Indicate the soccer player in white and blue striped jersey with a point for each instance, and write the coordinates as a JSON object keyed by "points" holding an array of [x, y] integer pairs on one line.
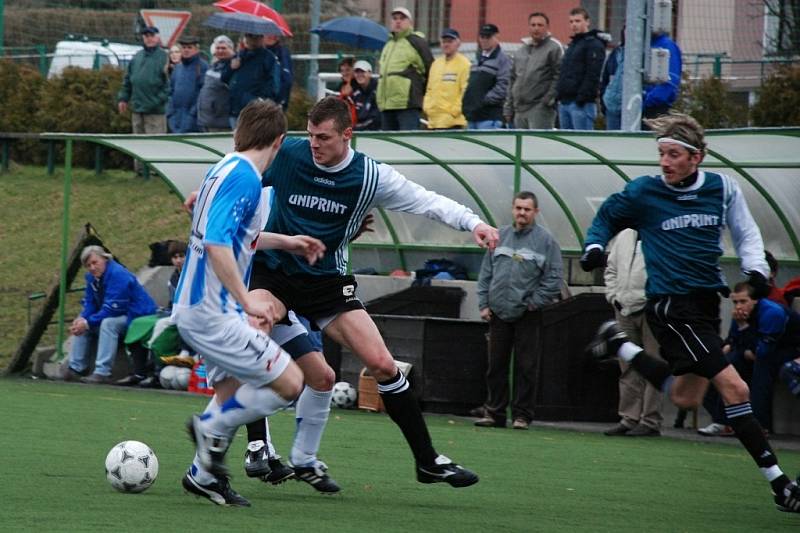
{"points": [[213, 310], [680, 217]]}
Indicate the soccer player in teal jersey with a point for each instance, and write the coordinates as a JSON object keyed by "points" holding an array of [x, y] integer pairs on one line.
{"points": [[680, 217], [324, 188]]}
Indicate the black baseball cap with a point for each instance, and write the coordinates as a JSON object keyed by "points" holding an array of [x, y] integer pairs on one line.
{"points": [[189, 39], [450, 33], [488, 30], [149, 29]]}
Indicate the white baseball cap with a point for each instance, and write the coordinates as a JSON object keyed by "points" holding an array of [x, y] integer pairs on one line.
{"points": [[406, 13], [363, 65]]}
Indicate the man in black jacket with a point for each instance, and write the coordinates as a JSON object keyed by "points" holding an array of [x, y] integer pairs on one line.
{"points": [[489, 79], [580, 74]]}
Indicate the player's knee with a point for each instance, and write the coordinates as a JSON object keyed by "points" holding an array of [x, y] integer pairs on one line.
{"points": [[382, 368], [322, 381], [737, 393]]}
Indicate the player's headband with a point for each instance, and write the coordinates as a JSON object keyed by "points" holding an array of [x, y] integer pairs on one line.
{"points": [[677, 141]]}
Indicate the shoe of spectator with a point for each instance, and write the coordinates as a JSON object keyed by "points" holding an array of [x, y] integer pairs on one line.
{"points": [[68, 374], [643, 430], [151, 382], [716, 430], [489, 422], [130, 381], [617, 431], [97, 379], [478, 412], [520, 423]]}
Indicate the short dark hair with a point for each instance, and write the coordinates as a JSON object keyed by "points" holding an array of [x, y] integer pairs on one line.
{"points": [[329, 108], [260, 123], [539, 14], [744, 286], [176, 247], [771, 261], [349, 60], [527, 195], [580, 11]]}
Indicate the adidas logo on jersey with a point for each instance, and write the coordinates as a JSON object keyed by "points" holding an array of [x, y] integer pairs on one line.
{"points": [[325, 181], [315, 202]]}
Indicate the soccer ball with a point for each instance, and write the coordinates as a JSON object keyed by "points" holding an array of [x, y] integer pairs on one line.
{"points": [[344, 395], [131, 466], [167, 376], [181, 379]]}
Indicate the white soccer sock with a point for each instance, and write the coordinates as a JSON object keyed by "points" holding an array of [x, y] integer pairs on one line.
{"points": [[248, 404], [313, 408], [201, 475], [628, 351]]}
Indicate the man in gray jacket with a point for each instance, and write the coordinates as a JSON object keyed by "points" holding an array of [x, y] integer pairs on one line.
{"points": [[519, 277], [531, 102]]}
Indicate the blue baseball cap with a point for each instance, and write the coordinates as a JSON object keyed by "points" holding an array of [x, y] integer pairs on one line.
{"points": [[450, 33], [149, 29]]}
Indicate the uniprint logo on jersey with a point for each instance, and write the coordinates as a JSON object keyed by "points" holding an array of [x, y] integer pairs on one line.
{"points": [[690, 221], [315, 202]]}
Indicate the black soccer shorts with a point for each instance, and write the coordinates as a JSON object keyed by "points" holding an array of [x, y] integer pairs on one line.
{"points": [[686, 327], [314, 297]]}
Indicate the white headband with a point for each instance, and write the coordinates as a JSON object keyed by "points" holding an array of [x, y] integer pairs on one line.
{"points": [[677, 141]]}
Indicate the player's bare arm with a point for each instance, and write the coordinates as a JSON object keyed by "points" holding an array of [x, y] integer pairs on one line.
{"points": [[309, 247]]}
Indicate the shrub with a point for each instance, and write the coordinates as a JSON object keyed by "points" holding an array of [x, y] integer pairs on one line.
{"points": [[83, 101], [779, 99], [299, 105], [708, 101]]}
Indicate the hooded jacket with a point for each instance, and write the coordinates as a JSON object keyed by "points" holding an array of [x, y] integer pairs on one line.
{"points": [[581, 68], [534, 75], [213, 103], [625, 273], [146, 85], [446, 85], [405, 62], [487, 88], [117, 293], [663, 95]]}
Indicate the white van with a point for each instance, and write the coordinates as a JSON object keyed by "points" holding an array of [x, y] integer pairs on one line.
{"points": [[88, 54]]}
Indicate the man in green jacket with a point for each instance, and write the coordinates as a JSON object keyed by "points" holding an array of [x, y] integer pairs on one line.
{"points": [[145, 89], [405, 61]]}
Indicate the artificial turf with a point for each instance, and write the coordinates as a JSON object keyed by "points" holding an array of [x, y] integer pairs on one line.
{"points": [[55, 437]]}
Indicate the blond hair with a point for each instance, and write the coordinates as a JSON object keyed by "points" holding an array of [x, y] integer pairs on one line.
{"points": [[680, 127]]}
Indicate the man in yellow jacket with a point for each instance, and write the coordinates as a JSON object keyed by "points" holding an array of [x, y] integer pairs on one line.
{"points": [[405, 62], [447, 82]]}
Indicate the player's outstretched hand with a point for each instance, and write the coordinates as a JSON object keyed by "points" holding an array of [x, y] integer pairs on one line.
{"points": [[309, 247], [593, 258], [486, 236], [188, 204]]}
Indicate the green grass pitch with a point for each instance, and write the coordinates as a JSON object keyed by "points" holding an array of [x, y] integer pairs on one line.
{"points": [[55, 436]]}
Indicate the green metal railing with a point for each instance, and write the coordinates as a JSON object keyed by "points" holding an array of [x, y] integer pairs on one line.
{"points": [[514, 158]]}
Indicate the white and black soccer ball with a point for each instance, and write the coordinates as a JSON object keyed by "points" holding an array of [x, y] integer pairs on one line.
{"points": [[344, 395], [131, 466], [180, 381], [167, 376]]}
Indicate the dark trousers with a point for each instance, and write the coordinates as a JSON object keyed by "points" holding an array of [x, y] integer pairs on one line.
{"points": [[400, 119], [521, 337]]}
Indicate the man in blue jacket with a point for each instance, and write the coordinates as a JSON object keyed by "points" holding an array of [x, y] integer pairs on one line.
{"points": [[185, 83], [284, 56], [657, 99], [253, 73], [113, 297]]}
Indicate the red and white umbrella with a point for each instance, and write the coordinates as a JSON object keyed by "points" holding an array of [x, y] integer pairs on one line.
{"points": [[252, 7]]}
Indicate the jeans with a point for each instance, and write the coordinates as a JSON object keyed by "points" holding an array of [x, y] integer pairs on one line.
{"points": [[484, 124], [108, 337], [400, 119], [613, 121], [575, 116]]}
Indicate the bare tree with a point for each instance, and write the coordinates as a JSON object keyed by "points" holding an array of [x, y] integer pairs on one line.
{"points": [[784, 39]]}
